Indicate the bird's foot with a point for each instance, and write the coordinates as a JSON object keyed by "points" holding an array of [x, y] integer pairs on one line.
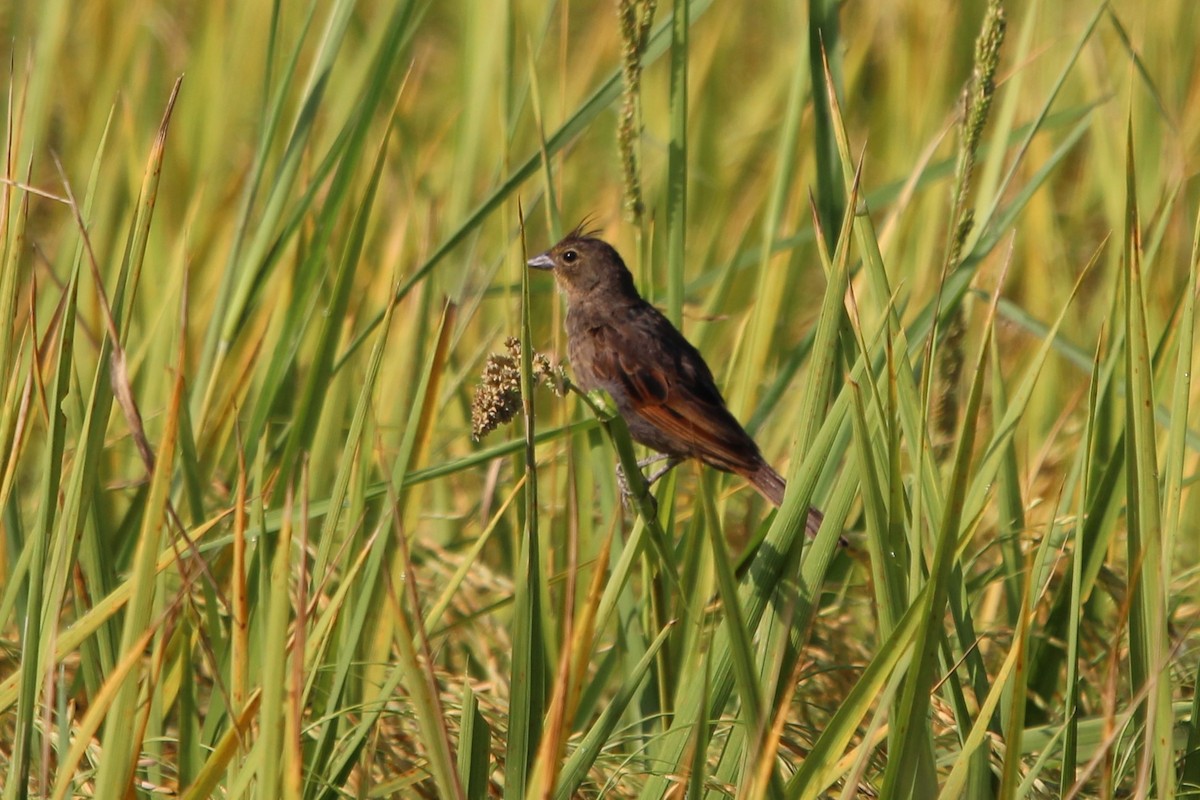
{"points": [[628, 497], [627, 493]]}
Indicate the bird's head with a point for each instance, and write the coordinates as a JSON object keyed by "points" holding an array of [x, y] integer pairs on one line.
{"points": [[584, 265]]}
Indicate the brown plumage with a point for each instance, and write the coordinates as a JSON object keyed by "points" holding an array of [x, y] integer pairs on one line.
{"points": [[660, 383]]}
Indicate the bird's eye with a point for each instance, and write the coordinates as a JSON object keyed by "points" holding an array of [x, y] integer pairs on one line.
{"points": [[570, 255]]}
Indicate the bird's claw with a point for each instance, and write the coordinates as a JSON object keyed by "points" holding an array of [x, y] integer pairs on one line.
{"points": [[628, 498]]}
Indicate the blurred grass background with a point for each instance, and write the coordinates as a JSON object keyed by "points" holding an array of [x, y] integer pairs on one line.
{"points": [[256, 255]]}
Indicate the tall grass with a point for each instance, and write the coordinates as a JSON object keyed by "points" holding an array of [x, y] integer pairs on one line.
{"points": [[256, 256]]}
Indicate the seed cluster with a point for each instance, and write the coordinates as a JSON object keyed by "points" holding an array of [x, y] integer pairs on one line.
{"points": [[498, 394]]}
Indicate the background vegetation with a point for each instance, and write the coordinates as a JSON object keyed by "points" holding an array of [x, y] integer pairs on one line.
{"points": [[255, 257]]}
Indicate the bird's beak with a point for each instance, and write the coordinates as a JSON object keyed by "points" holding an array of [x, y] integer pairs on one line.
{"points": [[544, 261]]}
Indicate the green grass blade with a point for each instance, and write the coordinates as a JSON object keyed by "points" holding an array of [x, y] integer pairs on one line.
{"points": [[474, 754], [1149, 642], [1189, 774], [825, 69]]}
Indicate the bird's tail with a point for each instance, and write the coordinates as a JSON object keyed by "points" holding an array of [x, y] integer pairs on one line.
{"points": [[771, 485]]}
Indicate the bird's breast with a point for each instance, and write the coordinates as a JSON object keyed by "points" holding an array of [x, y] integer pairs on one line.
{"points": [[583, 341]]}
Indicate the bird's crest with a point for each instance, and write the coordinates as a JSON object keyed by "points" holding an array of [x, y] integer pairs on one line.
{"points": [[586, 229]]}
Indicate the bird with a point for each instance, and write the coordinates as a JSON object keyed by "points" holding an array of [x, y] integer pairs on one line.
{"points": [[661, 385]]}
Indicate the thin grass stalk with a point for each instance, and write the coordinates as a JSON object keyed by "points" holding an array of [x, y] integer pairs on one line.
{"points": [[1007, 678], [572, 676], [698, 772], [1071, 687], [993, 223], [237, 282], [528, 676], [634, 17], [239, 645], [928, 498], [1004, 125], [1010, 501], [275, 656], [97, 714], [977, 102], [77, 542], [416, 658], [300, 313], [741, 646], [885, 542], [902, 776], [594, 740], [121, 744], [820, 769], [35, 637], [312, 395], [293, 703], [53, 26], [677, 164], [771, 283], [14, 206]]}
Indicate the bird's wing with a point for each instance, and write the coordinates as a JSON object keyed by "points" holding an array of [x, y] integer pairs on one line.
{"points": [[668, 385]]}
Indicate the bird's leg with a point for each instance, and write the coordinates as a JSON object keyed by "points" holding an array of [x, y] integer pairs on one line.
{"points": [[672, 462], [642, 464], [623, 480]]}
